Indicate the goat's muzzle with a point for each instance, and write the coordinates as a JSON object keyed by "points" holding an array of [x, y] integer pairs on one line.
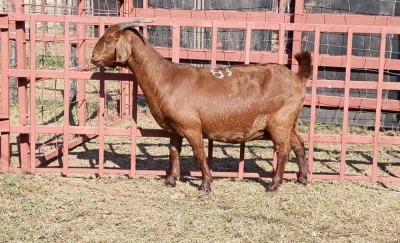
{"points": [[97, 62]]}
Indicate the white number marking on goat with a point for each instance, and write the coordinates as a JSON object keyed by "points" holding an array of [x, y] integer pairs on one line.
{"points": [[217, 74]]}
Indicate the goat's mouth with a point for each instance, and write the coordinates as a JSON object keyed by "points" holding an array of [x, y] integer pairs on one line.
{"points": [[98, 63], [101, 63]]}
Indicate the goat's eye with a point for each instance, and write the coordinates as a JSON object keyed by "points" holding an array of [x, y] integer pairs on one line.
{"points": [[109, 39]]}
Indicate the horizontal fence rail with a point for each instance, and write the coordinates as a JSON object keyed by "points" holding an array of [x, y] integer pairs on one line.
{"points": [[40, 140]]}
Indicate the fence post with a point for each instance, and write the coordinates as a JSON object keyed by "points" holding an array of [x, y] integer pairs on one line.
{"points": [[5, 103], [313, 102], [346, 104], [22, 88], [81, 88], [297, 35], [379, 91]]}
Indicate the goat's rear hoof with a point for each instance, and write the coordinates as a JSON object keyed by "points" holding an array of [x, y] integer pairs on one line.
{"points": [[301, 179], [272, 187], [170, 182]]}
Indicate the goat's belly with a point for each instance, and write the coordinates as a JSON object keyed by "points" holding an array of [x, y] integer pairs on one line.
{"points": [[235, 137], [238, 131]]}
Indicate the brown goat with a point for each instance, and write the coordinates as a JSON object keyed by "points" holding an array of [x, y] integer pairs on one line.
{"points": [[233, 105]]}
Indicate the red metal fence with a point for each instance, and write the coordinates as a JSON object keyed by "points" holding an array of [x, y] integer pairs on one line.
{"points": [[35, 139]]}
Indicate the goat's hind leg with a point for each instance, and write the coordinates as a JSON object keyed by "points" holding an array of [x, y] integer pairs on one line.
{"points": [[297, 145], [280, 137], [175, 147]]}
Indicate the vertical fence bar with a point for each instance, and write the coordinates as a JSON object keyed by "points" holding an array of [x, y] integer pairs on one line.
{"points": [[241, 160], [67, 55], [282, 6], [281, 52], [214, 43], [145, 30], [32, 83], [313, 101], [5, 100], [81, 7], [22, 88], [135, 89], [242, 148], [126, 8], [176, 36], [122, 87], [71, 8], [379, 91], [81, 102], [123, 7], [101, 123], [297, 35], [125, 90], [101, 111], [346, 104], [282, 46], [145, 4], [248, 43]]}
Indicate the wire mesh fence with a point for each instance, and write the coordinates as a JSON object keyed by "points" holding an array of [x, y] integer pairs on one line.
{"points": [[377, 7], [364, 45], [240, 5]]}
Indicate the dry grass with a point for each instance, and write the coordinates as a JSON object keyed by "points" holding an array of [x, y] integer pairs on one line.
{"points": [[50, 208]]}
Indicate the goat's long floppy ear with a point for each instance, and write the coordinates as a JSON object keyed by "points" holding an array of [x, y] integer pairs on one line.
{"points": [[123, 49]]}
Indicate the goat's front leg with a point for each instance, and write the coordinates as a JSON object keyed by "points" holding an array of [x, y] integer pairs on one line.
{"points": [[175, 147], [197, 144]]}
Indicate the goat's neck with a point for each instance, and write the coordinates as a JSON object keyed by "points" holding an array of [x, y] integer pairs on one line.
{"points": [[152, 71], [148, 66]]}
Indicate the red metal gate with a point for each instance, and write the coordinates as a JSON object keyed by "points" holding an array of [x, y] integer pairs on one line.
{"points": [[26, 29]]}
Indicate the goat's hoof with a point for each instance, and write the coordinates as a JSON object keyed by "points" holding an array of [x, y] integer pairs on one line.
{"points": [[301, 179], [302, 182], [272, 187], [205, 188], [170, 182]]}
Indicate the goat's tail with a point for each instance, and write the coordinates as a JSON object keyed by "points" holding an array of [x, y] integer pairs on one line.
{"points": [[305, 68]]}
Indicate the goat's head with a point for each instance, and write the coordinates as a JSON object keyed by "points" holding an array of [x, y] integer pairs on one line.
{"points": [[114, 47]]}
